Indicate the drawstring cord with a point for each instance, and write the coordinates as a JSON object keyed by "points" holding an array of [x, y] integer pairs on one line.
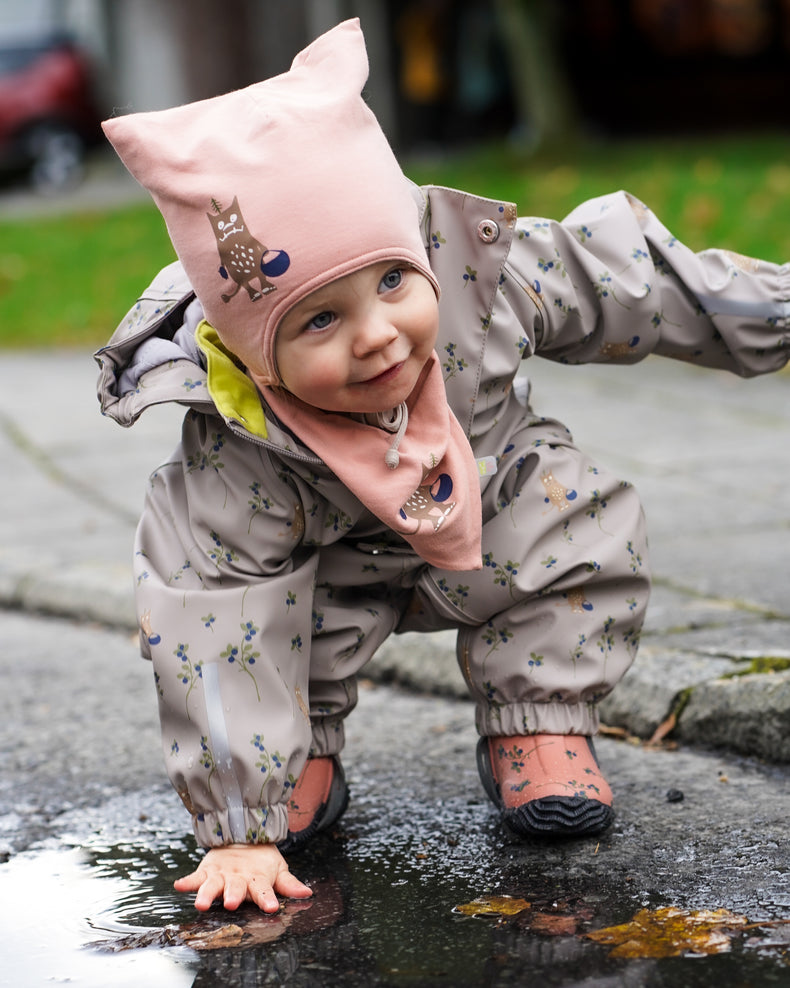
{"points": [[396, 421], [398, 424]]}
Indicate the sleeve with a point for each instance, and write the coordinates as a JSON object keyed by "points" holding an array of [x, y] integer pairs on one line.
{"points": [[225, 599], [611, 284]]}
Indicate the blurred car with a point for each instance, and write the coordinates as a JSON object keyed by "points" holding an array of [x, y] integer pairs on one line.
{"points": [[48, 113]]}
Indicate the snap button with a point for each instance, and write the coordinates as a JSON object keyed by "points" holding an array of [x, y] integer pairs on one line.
{"points": [[488, 231]]}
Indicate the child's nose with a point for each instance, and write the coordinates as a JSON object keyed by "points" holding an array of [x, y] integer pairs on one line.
{"points": [[374, 333]]}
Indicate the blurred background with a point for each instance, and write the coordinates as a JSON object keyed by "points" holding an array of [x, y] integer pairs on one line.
{"points": [[544, 102], [443, 72]]}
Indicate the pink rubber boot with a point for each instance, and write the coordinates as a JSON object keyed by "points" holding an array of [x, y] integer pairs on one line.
{"points": [[546, 785], [319, 799]]}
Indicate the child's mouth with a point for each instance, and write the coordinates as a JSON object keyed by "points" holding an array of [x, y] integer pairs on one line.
{"points": [[386, 375]]}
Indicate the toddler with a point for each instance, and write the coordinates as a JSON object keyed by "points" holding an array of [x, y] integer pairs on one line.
{"points": [[356, 460]]}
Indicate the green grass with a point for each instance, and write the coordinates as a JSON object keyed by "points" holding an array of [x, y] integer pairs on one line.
{"points": [[67, 281], [731, 193]]}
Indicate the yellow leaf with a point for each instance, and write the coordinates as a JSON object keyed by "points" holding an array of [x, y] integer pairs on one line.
{"points": [[493, 905], [671, 932]]}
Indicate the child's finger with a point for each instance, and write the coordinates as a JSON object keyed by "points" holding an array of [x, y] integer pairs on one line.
{"points": [[235, 891], [262, 894], [190, 883], [289, 885], [210, 890]]}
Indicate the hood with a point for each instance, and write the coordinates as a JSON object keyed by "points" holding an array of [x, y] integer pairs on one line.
{"points": [[160, 353], [164, 351]]}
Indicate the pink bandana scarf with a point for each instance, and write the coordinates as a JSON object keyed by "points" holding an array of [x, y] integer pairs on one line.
{"points": [[432, 497]]}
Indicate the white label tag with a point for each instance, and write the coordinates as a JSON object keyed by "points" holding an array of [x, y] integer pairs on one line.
{"points": [[487, 466]]}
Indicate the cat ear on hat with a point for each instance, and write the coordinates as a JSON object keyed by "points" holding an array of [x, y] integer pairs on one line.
{"points": [[338, 54]]}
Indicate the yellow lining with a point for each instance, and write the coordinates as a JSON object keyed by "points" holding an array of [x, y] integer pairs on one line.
{"points": [[234, 394]]}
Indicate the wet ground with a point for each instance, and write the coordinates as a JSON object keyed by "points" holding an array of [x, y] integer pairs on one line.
{"points": [[92, 839]]}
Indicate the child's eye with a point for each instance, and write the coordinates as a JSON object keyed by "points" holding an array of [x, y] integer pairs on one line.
{"points": [[321, 321], [391, 280]]}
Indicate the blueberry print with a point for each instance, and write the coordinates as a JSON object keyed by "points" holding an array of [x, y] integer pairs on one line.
{"points": [[606, 642], [598, 504], [457, 596], [453, 365], [494, 637], [219, 553], [578, 652], [178, 574], [635, 557], [207, 760], [188, 674], [243, 655], [208, 458], [258, 503], [504, 575], [269, 762]]}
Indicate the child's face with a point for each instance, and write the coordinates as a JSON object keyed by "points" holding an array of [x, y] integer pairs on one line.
{"points": [[359, 343]]}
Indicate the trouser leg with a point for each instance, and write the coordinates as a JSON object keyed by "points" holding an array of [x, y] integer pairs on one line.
{"points": [[357, 604], [552, 621]]}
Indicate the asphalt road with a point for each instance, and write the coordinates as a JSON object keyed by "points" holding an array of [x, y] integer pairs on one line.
{"points": [[82, 769]]}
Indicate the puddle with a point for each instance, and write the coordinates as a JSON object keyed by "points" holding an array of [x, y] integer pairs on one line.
{"points": [[96, 907], [384, 913], [50, 903]]}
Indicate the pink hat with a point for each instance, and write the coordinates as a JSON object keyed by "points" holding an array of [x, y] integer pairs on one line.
{"points": [[271, 191]]}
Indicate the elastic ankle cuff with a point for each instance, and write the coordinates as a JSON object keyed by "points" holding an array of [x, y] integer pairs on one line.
{"points": [[537, 718], [329, 737]]}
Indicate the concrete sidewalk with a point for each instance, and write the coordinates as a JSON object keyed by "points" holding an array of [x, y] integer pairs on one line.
{"points": [[708, 452]]}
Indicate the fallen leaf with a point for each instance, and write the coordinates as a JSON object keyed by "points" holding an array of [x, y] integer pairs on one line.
{"points": [[663, 729], [165, 937], [670, 932], [612, 732], [225, 936], [196, 937], [493, 905]]}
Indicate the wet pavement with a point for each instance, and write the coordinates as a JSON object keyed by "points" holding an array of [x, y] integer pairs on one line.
{"points": [[94, 838], [91, 835]]}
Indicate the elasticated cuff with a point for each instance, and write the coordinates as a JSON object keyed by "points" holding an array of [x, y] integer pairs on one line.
{"points": [[537, 718], [329, 737], [256, 825]]}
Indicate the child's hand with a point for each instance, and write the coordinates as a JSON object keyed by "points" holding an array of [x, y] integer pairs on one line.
{"points": [[240, 872]]}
